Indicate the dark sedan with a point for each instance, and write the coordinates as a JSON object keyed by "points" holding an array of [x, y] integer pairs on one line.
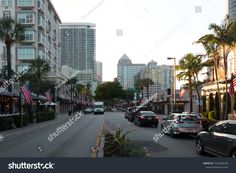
{"points": [[146, 118], [219, 140]]}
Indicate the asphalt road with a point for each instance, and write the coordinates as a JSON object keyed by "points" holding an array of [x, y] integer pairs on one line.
{"points": [[32, 141], [182, 146], [78, 139]]}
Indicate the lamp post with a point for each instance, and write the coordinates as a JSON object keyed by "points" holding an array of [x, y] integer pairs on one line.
{"points": [[174, 77]]}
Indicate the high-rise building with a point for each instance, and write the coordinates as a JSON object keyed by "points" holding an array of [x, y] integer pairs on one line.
{"points": [[127, 71], [78, 47], [99, 71], [42, 36], [161, 76], [231, 8]]}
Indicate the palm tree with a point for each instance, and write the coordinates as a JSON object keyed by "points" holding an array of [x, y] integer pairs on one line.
{"points": [[10, 33], [139, 85], [225, 37], [72, 82], [147, 82], [38, 69], [212, 51], [196, 68], [186, 66]]}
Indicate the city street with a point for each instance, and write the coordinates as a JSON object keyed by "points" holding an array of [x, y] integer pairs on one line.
{"points": [[77, 140]]}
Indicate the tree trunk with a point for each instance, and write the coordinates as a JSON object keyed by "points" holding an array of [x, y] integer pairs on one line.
{"points": [[190, 94], [218, 90], [8, 47], [198, 95], [226, 85]]}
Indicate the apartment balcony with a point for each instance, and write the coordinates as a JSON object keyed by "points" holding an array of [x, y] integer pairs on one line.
{"points": [[41, 6]]}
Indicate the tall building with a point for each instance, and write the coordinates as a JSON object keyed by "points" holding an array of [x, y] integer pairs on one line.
{"points": [[127, 71], [231, 8], [99, 71], [78, 47], [161, 75], [42, 36]]}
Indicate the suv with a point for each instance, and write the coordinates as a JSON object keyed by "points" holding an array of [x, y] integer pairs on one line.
{"points": [[181, 123], [219, 140]]}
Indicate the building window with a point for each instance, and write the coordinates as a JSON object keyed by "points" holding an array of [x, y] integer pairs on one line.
{"points": [[25, 18], [29, 35], [21, 67], [25, 53], [6, 14], [25, 3], [6, 3]]}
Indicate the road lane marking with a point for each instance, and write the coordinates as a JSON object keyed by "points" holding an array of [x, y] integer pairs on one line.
{"points": [[98, 139]]}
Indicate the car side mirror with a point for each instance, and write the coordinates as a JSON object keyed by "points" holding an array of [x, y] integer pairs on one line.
{"points": [[210, 130]]}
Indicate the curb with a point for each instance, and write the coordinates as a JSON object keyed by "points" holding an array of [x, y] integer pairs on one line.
{"points": [[100, 153]]}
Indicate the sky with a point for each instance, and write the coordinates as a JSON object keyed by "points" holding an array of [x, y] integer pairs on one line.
{"points": [[148, 29]]}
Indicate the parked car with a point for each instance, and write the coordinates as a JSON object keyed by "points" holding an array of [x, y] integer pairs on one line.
{"points": [[219, 140], [88, 110], [146, 118], [181, 123], [128, 110], [135, 111]]}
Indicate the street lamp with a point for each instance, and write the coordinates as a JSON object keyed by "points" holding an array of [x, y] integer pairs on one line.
{"points": [[174, 73]]}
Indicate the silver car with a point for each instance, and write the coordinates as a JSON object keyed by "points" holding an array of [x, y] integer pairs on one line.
{"points": [[181, 123]]}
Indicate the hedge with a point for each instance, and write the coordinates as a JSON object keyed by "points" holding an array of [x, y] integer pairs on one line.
{"points": [[45, 116], [7, 123]]}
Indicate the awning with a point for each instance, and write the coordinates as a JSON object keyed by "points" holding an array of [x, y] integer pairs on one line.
{"points": [[49, 104]]}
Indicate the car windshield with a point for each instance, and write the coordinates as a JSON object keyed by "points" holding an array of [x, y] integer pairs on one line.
{"points": [[98, 106], [187, 117], [147, 113]]}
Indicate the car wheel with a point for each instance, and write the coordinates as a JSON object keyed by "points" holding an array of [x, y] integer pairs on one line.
{"points": [[162, 127], [233, 154], [199, 147], [172, 134], [139, 123], [156, 125]]}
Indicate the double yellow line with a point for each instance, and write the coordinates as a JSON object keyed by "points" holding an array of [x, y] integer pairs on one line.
{"points": [[98, 139]]}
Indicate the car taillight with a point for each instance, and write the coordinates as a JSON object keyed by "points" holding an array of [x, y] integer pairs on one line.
{"points": [[141, 117]]}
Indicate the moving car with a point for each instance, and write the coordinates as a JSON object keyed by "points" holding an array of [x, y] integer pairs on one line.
{"points": [[146, 118], [98, 108], [181, 123], [88, 110], [219, 140]]}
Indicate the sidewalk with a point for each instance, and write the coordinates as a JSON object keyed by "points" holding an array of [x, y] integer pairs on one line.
{"points": [[35, 126]]}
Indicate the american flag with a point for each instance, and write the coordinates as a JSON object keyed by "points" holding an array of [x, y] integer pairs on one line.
{"points": [[181, 93], [48, 96], [26, 93]]}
